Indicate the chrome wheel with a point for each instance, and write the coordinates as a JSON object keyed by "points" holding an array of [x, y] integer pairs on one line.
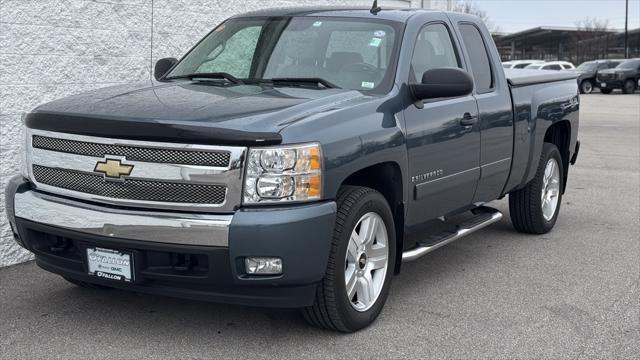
{"points": [[550, 189], [366, 261], [587, 87]]}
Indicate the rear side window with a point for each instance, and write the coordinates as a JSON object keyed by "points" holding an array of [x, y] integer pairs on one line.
{"points": [[552, 67], [478, 55]]}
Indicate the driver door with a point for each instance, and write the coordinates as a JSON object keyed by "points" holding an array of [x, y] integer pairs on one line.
{"points": [[444, 155]]}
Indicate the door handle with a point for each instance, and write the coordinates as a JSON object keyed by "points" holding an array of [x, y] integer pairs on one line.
{"points": [[468, 119]]}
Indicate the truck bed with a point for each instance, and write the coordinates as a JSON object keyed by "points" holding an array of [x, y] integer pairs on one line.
{"points": [[523, 77]]}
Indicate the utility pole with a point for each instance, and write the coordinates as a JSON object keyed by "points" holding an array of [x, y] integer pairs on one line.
{"points": [[626, 30]]}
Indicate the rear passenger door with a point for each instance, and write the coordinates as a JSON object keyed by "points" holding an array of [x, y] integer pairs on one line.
{"points": [[443, 153], [494, 107]]}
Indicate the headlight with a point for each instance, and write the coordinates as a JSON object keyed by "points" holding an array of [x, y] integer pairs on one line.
{"points": [[283, 173]]}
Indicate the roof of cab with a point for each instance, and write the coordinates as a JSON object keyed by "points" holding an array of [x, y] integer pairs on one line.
{"points": [[393, 14]]}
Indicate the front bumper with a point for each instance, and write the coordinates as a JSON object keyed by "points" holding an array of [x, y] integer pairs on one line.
{"points": [[198, 256]]}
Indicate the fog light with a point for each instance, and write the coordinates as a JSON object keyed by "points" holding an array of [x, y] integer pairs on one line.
{"points": [[263, 265]]}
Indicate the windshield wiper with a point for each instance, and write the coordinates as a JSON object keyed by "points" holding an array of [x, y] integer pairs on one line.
{"points": [[297, 81], [213, 75]]}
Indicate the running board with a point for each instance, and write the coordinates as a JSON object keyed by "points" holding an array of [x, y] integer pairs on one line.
{"points": [[484, 216]]}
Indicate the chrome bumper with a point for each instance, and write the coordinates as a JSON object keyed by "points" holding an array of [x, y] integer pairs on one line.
{"points": [[143, 225]]}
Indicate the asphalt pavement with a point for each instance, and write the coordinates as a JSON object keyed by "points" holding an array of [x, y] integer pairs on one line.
{"points": [[572, 293]]}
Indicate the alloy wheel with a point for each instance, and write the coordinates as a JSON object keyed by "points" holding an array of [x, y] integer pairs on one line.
{"points": [[550, 189], [366, 261]]}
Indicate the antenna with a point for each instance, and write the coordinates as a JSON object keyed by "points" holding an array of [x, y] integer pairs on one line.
{"points": [[375, 8]]}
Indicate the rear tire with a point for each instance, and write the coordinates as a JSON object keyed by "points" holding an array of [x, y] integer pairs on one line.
{"points": [[586, 87], [629, 87], [85, 284], [358, 276], [606, 91], [534, 209]]}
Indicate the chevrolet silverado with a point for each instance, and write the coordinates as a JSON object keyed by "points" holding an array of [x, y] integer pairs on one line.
{"points": [[295, 158]]}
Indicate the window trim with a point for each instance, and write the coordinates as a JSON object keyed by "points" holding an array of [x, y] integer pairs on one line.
{"points": [[489, 58], [456, 49]]}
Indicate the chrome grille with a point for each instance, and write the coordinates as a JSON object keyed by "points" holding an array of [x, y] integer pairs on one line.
{"points": [[133, 189], [187, 157], [172, 176]]}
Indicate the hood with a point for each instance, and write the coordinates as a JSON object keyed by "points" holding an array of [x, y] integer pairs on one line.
{"points": [[184, 111]]}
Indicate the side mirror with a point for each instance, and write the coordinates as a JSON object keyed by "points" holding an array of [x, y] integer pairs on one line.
{"points": [[163, 66], [443, 83]]}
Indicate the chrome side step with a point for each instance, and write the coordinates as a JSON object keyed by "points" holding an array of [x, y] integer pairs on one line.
{"points": [[485, 216]]}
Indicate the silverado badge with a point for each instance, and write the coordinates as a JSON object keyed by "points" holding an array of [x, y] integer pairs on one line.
{"points": [[112, 168]]}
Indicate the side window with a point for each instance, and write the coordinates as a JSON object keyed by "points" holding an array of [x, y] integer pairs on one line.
{"points": [[603, 66], [478, 56], [566, 66], [553, 67], [235, 55], [433, 49]]}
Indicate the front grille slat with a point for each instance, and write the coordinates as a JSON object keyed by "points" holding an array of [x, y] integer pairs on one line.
{"points": [[134, 153], [131, 189]]}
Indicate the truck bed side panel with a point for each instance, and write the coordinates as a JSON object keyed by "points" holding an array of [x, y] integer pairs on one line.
{"points": [[536, 108]]}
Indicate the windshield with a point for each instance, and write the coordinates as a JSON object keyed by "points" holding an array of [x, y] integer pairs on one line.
{"points": [[629, 64], [587, 66], [349, 53]]}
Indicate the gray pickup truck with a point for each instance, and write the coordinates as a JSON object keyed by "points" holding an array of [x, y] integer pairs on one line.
{"points": [[295, 158]]}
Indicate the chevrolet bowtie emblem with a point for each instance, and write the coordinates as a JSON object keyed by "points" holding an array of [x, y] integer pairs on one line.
{"points": [[113, 168]]}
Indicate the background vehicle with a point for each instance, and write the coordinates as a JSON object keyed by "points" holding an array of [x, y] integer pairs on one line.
{"points": [[625, 76], [295, 158], [552, 65], [520, 64], [587, 72]]}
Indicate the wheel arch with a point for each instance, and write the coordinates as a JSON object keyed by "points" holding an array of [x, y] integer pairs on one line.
{"points": [[559, 134], [387, 178]]}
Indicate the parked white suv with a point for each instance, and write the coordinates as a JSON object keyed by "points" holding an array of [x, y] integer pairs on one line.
{"points": [[552, 65], [520, 64]]}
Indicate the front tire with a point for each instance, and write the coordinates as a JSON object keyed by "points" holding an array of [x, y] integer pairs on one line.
{"points": [[586, 87], [629, 87], [534, 209], [361, 262]]}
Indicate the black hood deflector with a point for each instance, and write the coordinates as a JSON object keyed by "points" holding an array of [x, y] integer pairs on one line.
{"points": [[148, 131]]}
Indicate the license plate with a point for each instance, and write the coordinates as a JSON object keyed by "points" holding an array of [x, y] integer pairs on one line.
{"points": [[603, 85], [110, 264]]}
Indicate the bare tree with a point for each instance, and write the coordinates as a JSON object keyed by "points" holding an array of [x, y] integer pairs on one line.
{"points": [[469, 7], [593, 24], [592, 38]]}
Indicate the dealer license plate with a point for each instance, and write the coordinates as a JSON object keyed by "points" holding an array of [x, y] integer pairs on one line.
{"points": [[603, 85], [110, 264]]}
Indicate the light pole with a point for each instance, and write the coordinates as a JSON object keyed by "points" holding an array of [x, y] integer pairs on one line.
{"points": [[626, 30]]}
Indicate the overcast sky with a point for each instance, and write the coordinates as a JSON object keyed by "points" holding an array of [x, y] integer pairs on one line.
{"points": [[516, 15]]}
